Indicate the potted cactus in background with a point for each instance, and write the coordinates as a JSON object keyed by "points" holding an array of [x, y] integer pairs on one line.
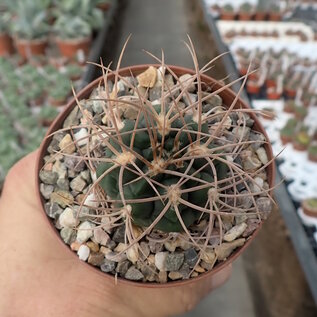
{"points": [[30, 27], [227, 12], [312, 152], [310, 207], [156, 173], [261, 12], [245, 12], [275, 12], [47, 115], [288, 131], [74, 26], [6, 46], [301, 139]]}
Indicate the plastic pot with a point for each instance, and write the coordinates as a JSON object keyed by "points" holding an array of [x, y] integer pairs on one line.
{"points": [[227, 95], [253, 88], [270, 83], [6, 45], [272, 94], [225, 15], [275, 16], [290, 93], [260, 16], [245, 16], [27, 48], [71, 47]]}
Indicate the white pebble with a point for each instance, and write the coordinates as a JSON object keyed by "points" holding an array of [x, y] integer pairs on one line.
{"points": [[262, 155], [91, 201], [81, 137], [67, 218], [85, 231], [235, 232], [83, 252], [160, 260]]}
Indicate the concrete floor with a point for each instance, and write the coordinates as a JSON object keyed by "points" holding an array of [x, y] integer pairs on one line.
{"points": [[267, 280]]}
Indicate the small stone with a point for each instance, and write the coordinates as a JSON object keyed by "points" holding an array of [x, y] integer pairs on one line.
{"points": [[75, 246], [123, 267], [144, 250], [207, 266], [83, 252], [101, 236], [60, 168], [191, 257], [185, 271], [184, 245], [78, 184], [155, 93], [151, 259], [63, 198], [115, 256], [245, 200], [85, 231], [155, 247], [199, 269], [108, 266], [208, 256], [147, 79], [92, 246], [251, 163], [133, 253], [264, 206], [118, 236], [257, 138], [67, 219], [149, 272], [225, 249], [252, 225], [162, 277], [91, 201], [75, 164], [53, 210], [185, 80], [105, 250], [174, 261], [133, 274], [261, 153], [194, 274], [171, 245], [85, 175], [63, 184], [68, 235], [46, 190], [214, 101], [67, 145], [72, 119], [241, 133], [160, 260], [48, 177], [120, 247], [235, 232], [189, 101], [81, 137], [175, 276], [96, 259]]}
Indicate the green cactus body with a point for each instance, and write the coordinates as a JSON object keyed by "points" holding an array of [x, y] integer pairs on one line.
{"points": [[173, 186]]}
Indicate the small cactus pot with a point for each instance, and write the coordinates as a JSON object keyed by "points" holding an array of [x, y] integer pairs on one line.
{"points": [[70, 47], [272, 94], [6, 45], [274, 16], [228, 16], [308, 209], [227, 96], [260, 16], [28, 48], [270, 83]]}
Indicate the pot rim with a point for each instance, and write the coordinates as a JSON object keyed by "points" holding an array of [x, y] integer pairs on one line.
{"points": [[84, 93]]}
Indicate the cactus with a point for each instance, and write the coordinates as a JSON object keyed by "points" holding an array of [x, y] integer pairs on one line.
{"points": [[165, 163]]}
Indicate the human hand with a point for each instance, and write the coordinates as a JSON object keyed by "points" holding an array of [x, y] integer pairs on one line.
{"points": [[38, 278]]}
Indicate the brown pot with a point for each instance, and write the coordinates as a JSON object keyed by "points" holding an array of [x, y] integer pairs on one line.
{"points": [[312, 157], [273, 16], [299, 147], [309, 211], [228, 16], [104, 6], [273, 95], [245, 16], [70, 48], [27, 48], [260, 16], [6, 45], [290, 93], [286, 139], [270, 83], [253, 88], [227, 96]]}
